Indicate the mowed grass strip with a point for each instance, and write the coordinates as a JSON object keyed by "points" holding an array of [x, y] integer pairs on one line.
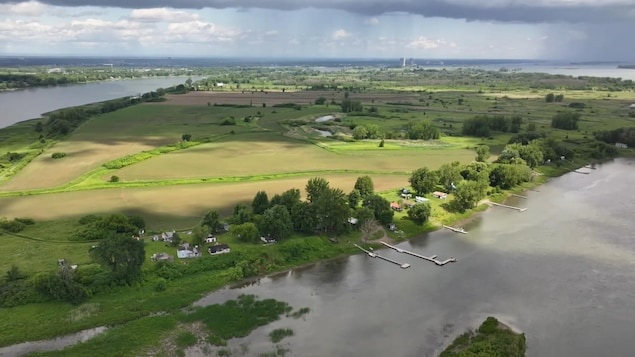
{"points": [[273, 153], [169, 207]]}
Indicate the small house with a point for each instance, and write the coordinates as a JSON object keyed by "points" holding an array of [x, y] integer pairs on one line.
{"points": [[621, 146], [352, 220], [183, 253], [210, 239], [420, 199], [161, 257], [632, 106], [268, 240], [391, 227], [440, 195], [218, 249], [395, 206], [406, 195], [167, 236]]}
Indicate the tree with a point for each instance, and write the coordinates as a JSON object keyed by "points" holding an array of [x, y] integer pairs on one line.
{"points": [[549, 98], [246, 232], [315, 187], [423, 180], [288, 199], [482, 153], [566, 120], [332, 210], [365, 186], [276, 222], [199, 233], [449, 174], [114, 178], [123, 256], [186, 137], [422, 129], [364, 214], [354, 198], [381, 208], [367, 228], [304, 217], [211, 219], [420, 213], [320, 101], [467, 195], [240, 214], [507, 176], [260, 202]]}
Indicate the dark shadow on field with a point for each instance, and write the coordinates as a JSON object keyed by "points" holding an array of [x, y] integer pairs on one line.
{"points": [[149, 141]]}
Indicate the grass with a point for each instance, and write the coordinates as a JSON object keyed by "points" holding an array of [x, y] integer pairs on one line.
{"points": [[237, 318], [299, 313], [279, 334], [186, 339], [127, 340]]}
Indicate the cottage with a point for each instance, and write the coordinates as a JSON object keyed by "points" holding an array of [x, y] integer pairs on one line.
{"points": [[161, 257], [268, 240], [167, 236], [441, 195], [210, 239], [621, 146], [420, 199], [218, 249], [395, 206], [632, 106], [406, 195], [352, 220], [183, 253], [391, 227]]}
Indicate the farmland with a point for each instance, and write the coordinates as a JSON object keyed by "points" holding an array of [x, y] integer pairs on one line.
{"points": [[211, 148]]}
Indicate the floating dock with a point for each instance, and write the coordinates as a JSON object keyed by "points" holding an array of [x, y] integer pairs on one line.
{"points": [[456, 230], [432, 259], [581, 172], [510, 207], [519, 196], [375, 255], [590, 167]]}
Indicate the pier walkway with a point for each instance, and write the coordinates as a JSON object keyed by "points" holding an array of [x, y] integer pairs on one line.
{"points": [[430, 259]]}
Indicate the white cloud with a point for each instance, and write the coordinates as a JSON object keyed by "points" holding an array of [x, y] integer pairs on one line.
{"points": [[341, 34], [162, 15], [29, 8], [372, 21], [424, 43]]}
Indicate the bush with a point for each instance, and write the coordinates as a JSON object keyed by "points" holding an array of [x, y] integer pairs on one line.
{"points": [[11, 226], [25, 220], [58, 155], [160, 285], [114, 178], [186, 339], [278, 334]]}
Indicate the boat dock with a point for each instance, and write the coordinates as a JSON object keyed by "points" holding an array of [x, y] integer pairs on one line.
{"points": [[590, 167], [519, 196], [375, 255], [510, 207], [581, 172], [454, 229], [432, 259]]}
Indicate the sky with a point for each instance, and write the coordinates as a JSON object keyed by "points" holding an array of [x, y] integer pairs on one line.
{"points": [[574, 30]]}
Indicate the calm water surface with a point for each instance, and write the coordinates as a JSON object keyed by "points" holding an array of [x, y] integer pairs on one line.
{"points": [[562, 272], [30, 103]]}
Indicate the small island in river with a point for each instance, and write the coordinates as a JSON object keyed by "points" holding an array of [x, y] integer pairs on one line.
{"points": [[492, 338]]}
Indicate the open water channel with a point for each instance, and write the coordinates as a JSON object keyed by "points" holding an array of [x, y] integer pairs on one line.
{"points": [[562, 272]]}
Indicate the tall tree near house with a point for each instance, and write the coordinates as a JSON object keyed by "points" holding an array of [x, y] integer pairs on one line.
{"points": [[423, 180], [365, 186], [315, 187], [260, 202], [211, 219], [123, 256]]}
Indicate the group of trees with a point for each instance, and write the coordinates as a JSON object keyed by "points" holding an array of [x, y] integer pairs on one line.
{"points": [[351, 106], [367, 131], [550, 98], [620, 135], [566, 120], [422, 130], [484, 125]]}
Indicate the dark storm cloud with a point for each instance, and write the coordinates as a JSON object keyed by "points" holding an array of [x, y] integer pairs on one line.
{"points": [[529, 11]]}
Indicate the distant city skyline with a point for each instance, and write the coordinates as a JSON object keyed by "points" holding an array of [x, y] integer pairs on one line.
{"points": [[576, 30]]}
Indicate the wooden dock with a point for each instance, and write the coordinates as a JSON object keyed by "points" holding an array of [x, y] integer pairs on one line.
{"points": [[581, 172], [375, 255], [590, 167], [519, 196], [510, 207], [432, 259], [454, 229]]}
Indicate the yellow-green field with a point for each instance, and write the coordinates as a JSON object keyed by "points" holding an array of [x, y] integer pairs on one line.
{"points": [[170, 207], [270, 153]]}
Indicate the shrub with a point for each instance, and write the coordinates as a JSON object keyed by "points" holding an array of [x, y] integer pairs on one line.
{"points": [[278, 334], [114, 178], [58, 155], [11, 226], [160, 285], [25, 220]]}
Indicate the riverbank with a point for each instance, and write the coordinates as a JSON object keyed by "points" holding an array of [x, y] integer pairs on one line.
{"points": [[492, 336]]}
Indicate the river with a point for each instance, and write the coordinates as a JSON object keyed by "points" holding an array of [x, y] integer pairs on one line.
{"points": [[561, 272], [25, 104]]}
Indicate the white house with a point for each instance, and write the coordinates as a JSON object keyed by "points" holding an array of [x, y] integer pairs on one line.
{"points": [[218, 249], [185, 253], [621, 146], [420, 199], [632, 106], [210, 239]]}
